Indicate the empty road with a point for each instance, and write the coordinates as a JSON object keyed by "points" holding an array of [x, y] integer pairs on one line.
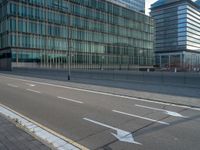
{"points": [[101, 120]]}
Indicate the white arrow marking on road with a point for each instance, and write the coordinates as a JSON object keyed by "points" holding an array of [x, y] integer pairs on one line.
{"points": [[175, 114], [32, 85], [171, 113], [121, 135], [136, 116]]}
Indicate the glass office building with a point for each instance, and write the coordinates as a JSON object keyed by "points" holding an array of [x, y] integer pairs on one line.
{"points": [[88, 34], [177, 33], [138, 5]]}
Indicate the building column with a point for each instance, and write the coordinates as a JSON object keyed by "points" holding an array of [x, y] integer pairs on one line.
{"points": [[17, 57], [181, 60]]}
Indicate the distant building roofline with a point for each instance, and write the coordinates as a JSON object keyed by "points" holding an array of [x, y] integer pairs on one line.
{"points": [[164, 3], [125, 5]]}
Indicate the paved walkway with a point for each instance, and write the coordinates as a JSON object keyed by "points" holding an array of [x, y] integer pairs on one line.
{"points": [[183, 79], [13, 138]]}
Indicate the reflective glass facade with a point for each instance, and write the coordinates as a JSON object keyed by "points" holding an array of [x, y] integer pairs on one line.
{"points": [[138, 5], [87, 33], [177, 32]]}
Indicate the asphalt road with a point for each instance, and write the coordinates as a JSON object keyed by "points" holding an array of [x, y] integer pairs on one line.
{"points": [[99, 120]]}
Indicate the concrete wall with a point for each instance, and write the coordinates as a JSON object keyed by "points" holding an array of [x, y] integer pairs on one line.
{"points": [[187, 79], [5, 64]]}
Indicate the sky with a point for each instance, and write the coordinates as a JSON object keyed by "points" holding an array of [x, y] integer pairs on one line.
{"points": [[148, 5]]}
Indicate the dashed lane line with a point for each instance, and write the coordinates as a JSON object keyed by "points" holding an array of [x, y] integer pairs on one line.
{"points": [[68, 99], [106, 94], [31, 85], [12, 85], [33, 91]]}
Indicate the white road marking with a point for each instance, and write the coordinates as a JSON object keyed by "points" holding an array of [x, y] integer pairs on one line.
{"points": [[121, 135], [171, 113], [136, 116], [42, 132], [107, 94], [71, 100], [32, 85], [33, 91], [12, 85]]}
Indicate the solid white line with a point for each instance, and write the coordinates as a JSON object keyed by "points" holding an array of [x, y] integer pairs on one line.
{"points": [[12, 85], [136, 116], [68, 99], [33, 91], [104, 93]]}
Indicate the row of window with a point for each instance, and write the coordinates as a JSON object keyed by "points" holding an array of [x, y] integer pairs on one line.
{"points": [[58, 58], [177, 27], [41, 42], [138, 5], [101, 6], [62, 18], [186, 59], [22, 25]]}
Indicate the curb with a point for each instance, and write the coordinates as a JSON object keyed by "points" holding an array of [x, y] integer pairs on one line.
{"points": [[41, 133]]}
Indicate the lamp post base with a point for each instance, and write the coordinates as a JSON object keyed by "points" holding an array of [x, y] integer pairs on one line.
{"points": [[68, 77]]}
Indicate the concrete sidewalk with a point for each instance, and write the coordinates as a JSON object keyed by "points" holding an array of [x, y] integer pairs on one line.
{"points": [[183, 79], [14, 138]]}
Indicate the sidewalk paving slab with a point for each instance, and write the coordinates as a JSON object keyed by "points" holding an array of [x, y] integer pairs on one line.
{"points": [[14, 138]]}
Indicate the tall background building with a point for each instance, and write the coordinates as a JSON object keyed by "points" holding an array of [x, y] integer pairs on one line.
{"points": [[177, 33], [138, 5], [88, 34]]}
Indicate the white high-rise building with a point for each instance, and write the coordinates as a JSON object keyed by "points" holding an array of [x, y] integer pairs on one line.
{"points": [[138, 5], [177, 37]]}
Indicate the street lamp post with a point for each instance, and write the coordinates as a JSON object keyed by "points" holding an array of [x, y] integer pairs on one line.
{"points": [[69, 65], [69, 46], [139, 61], [102, 61], [140, 52]]}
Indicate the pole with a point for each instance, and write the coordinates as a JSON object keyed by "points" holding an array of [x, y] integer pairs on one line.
{"points": [[69, 47], [139, 61], [69, 65]]}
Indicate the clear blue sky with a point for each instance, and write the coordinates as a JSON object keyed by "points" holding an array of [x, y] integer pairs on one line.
{"points": [[148, 4]]}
